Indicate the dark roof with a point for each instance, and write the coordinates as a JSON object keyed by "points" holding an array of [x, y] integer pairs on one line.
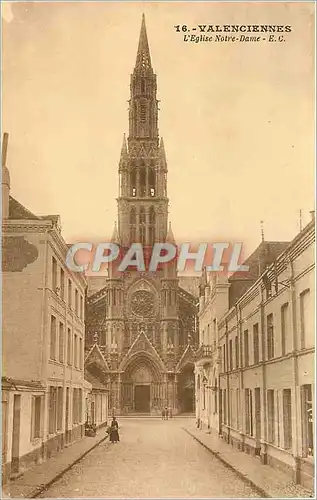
{"points": [[18, 211], [263, 256]]}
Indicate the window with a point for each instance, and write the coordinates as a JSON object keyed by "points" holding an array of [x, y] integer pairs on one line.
{"points": [[230, 356], [76, 302], [214, 328], [152, 225], [248, 412], [216, 397], [77, 406], [52, 410], [236, 350], [224, 364], [133, 182], [270, 416], [304, 314], [270, 337], [142, 112], [225, 406], [307, 420], [142, 225], [152, 181], [132, 225], [81, 353], [59, 408], [54, 274], [246, 347], [81, 307], [287, 418], [142, 86], [36, 417], [62, 279], [284, 327], [69, 293], [69, 346], [238, 407], [61, 343], [75, 351], [256, 350], [53, 338]]}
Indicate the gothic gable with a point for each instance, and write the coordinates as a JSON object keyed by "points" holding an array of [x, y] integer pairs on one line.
{"points": [[95, 357], [142, 344]]}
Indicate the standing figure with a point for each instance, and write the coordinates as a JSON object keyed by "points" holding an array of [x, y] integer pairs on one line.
{"points": [[166, 413], [163, 414], [170, 413], [114, 433]]}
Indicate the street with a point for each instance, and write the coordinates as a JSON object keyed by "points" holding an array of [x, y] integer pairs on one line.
{"points": [[154, 459]]}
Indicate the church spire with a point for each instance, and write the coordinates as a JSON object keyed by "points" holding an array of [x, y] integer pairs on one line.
{"points": [[143, 58], [162, 150], [115, 235], [124, 149], [170, 236]]}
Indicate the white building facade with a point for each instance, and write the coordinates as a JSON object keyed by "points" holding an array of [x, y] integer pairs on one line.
{"points": [[266, 353]]}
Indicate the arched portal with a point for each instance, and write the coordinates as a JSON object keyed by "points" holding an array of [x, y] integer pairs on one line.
{"points": [[187, 389], [141, 385]]}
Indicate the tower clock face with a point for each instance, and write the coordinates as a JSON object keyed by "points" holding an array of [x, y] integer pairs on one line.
{"points": [[142, 303]]}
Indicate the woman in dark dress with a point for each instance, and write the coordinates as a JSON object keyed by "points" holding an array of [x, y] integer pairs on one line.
{"points": [[114, 434]]}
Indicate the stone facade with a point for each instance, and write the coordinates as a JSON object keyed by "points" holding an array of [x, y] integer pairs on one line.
{"points": [[144, 323]]}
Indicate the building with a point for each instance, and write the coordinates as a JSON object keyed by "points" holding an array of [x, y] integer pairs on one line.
{"points": [[144, 323], [266, 348], [213, 303], [43, 387], [98, 409]]}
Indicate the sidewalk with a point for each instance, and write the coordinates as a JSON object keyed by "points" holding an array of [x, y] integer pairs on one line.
{"points": [[269, 482], [35, 480]]}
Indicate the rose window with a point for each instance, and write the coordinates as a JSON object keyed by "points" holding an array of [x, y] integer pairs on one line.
{"points": [[142, 303]]}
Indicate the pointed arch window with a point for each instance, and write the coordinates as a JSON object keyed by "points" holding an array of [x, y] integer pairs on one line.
{"points": [[142, 225], [132, 225], [152, 181], [142, 181], [133, 182], [143, 112], [143, 86], [151, 225]]}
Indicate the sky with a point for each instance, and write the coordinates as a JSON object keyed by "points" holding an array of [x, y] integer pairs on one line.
{"points": [[237, 119]]}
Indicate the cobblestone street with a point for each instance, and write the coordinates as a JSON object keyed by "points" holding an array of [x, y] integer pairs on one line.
{"points": [[153, 459]]}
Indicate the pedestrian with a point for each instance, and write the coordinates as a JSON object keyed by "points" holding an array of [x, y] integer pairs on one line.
{"points": [[163, 414], [114, 433], [170, 412], [166, 413]]}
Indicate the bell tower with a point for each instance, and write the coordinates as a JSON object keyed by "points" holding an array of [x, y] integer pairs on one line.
{"points": [[142, 201]]}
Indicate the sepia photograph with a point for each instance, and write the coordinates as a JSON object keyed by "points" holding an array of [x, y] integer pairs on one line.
{"points": [[158, 249]]}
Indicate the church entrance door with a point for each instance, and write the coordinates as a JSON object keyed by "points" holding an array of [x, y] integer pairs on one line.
{"points": [[142, 398]]}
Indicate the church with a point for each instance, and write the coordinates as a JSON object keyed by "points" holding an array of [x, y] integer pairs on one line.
{"points": [[142, 327]]}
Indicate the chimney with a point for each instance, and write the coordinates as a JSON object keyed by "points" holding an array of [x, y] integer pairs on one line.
{"points": [[5, 178], [312, 215]]}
